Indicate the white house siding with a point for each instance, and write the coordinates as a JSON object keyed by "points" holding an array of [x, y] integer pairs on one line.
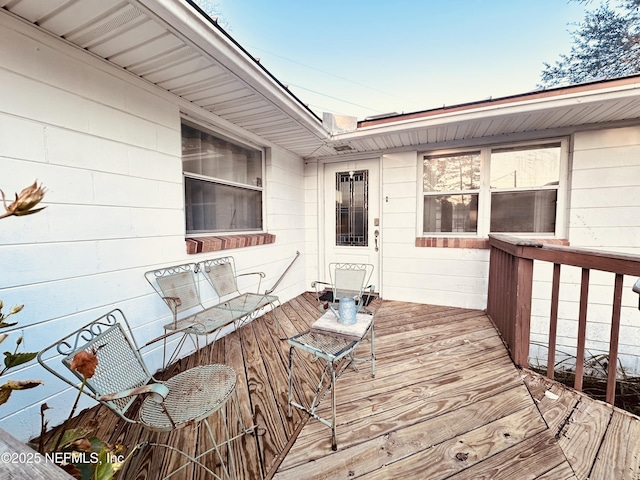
{"points": [[604, 202], [107, 149], [440, 276], [604, 215]]}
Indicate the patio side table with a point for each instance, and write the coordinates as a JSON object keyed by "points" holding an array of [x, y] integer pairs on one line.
{"points": [[332, 347]]}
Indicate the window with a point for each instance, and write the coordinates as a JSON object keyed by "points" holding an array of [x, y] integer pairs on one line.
{"points": [[451, 187], [352, 207], [514, 189], [524, 189], [223, 183]]}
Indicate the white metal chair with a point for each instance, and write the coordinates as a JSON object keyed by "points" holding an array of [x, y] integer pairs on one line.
{"points": [[346, 280], [221, 275], [121, 376]]}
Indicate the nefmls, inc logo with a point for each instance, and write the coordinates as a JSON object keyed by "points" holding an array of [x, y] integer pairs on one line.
{"points": [[62, 458]]}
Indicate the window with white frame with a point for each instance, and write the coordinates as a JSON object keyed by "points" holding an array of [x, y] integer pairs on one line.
{"points": [[222, 182], [500, 189]]}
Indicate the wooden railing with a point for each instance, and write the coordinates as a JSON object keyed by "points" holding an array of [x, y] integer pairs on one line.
{"points": [[510, 289]]}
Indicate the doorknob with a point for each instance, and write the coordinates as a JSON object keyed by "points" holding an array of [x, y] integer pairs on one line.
{"points": [[376, 234]]}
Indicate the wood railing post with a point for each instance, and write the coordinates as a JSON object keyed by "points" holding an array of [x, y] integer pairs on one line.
{"points": [[509, 295], [524, 285]]}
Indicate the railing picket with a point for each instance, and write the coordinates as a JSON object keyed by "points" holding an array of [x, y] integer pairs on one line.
{"points": [[613, 339], [553, 321], [582, 329]]}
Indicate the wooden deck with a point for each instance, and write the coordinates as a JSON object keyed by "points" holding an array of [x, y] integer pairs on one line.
{"points": [[446, 402]]}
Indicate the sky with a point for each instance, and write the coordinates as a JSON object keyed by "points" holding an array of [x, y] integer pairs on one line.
{"points": [[365, 58]]}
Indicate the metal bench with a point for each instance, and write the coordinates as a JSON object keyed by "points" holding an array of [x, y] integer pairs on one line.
{"points": [[180, 286]]}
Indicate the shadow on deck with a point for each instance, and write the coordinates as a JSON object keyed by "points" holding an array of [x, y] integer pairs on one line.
{"points": [[446, 402]]}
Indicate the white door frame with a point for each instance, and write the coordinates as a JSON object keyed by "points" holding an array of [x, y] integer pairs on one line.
{"points": [[326, 215]]}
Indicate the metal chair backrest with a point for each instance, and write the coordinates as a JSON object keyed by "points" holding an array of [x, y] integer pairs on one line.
{"points": [[349, 279], [220, 272], [177, 282], [120, 365]]}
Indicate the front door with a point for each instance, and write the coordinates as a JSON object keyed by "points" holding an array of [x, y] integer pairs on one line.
{"points": [[352, 214]]}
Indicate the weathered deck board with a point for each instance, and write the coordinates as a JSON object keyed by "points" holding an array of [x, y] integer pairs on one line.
{"points": [[536, 457], [265, 406], [385, 413], [555, 401], [619, 455], [461, 452], [245, 450], [388, 445], [445, 386], [599, 442]]}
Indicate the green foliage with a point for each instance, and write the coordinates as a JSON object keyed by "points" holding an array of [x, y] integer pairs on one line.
{"points": [[14, 359], [606, 44], [83, 455]]}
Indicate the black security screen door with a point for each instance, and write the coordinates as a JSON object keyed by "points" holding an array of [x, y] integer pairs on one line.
{"points": [[352, 197]]}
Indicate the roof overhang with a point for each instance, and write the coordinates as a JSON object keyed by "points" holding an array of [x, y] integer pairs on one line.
{"points": [[560, 110], [173, 45]]}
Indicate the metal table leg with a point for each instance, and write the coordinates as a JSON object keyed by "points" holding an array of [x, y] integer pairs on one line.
{"points": [[290, 379], [338, 353], [334, 443]]}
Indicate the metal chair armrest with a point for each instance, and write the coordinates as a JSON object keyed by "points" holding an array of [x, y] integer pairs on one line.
{"points": [[366, 291], [262, 275], [157, 391], [162, 337], [314, 285], [173, 303]]}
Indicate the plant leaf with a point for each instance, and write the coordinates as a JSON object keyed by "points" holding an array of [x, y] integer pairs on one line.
{"points": [[104, 469], [14, 359], [7, 324], [96, 444], [11, 385], [81, 444], [22, 384], [5, 393], [73, 434]]}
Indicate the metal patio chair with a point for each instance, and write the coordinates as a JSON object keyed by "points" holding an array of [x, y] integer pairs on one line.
{"points": [[121, 376], [221, 275], [346, 280]]}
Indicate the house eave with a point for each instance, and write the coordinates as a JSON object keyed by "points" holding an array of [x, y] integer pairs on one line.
{"points": [[561, 110], [186, 22], [174, 46]]}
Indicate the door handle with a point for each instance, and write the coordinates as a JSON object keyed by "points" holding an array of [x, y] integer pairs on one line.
{"points": [[375, 235]]}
